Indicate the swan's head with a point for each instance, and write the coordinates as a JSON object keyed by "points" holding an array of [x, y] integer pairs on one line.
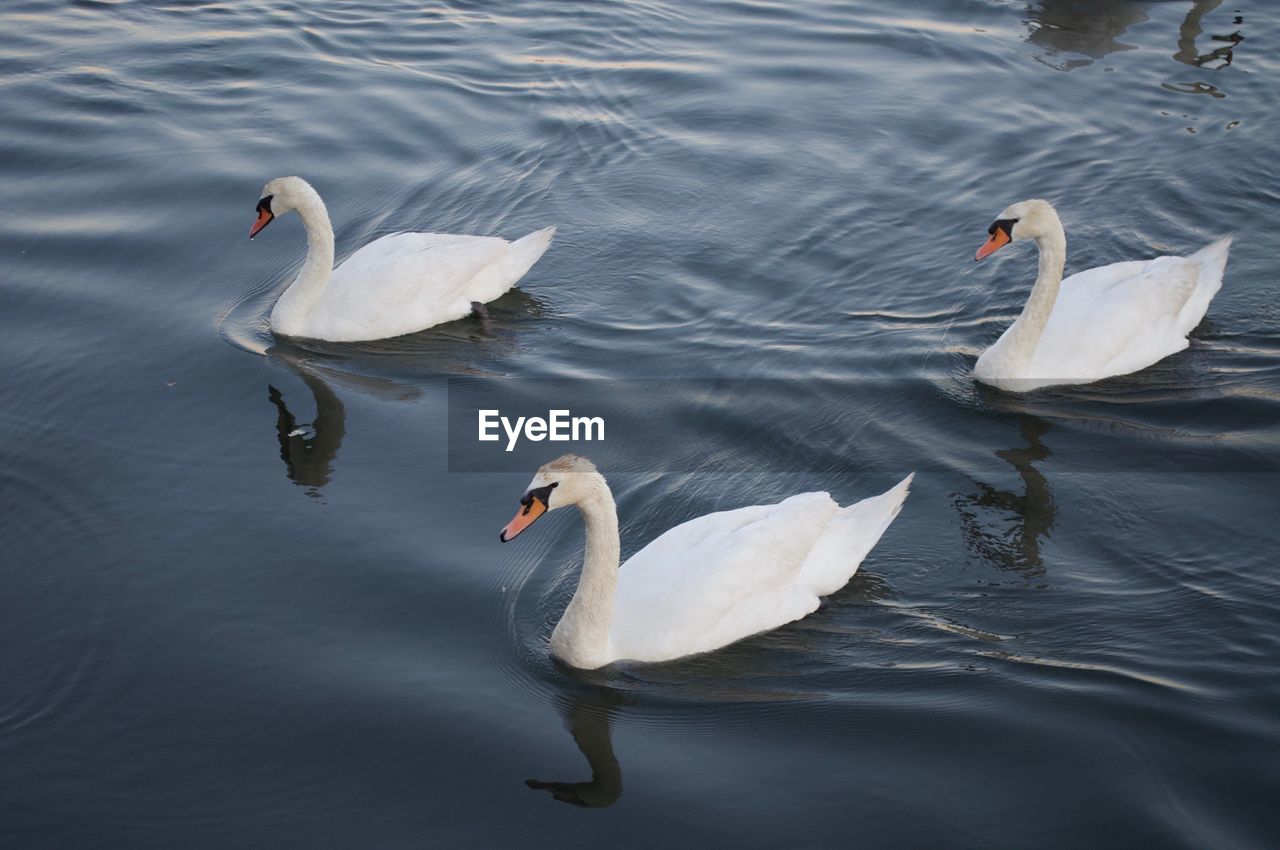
{"points": [[279, 196], [563, 482], [1023, 220]]}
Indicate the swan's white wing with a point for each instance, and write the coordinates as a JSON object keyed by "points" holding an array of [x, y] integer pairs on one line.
{"points": [[729, 575], [1115, 319], [399, 284], [716, 579], [406, 282]]}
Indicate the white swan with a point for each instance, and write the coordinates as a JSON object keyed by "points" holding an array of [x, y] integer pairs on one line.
{"points": [[395, 285], [1107, 321], [703, 584]]}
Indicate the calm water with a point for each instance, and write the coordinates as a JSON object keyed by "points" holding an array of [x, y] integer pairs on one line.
{"points": [[213, 634]]}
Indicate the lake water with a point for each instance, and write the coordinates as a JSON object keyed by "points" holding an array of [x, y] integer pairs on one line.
{"points": [[215, 634]]}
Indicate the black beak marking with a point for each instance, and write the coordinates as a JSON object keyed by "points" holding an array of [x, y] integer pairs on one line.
{"points": [[263, 208], [1005, 224], [542, 494]]}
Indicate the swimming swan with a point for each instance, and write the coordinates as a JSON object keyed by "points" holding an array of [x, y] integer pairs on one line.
{"points": [[1107, 321], [395, 285], [703, 584]]}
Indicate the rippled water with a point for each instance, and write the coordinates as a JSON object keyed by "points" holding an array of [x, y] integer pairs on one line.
{"points": [[246, 603]]}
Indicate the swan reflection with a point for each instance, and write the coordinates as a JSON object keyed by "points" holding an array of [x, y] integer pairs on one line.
{"points": [[1092, 29], [985, 516], [1190, 30], [1088, 28], [309, 449], [590, 722]]}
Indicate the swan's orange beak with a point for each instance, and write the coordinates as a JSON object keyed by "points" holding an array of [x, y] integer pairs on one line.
{"points": [[998, 239], [264, 218], [532, 509]]}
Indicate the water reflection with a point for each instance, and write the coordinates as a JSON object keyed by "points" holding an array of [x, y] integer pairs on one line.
{"points": [[1005, 527], [1088, 28], [1191, 30], [309, 450], [1092, 29], [590, 722]]}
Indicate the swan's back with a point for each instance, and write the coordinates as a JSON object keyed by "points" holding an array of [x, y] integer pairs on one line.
{"points": [[725, 576]]}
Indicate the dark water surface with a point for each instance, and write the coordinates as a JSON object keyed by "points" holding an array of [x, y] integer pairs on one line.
{"points": [[215, 634]]}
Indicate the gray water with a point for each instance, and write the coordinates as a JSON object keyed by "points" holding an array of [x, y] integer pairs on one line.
{"points": [[215, 634]]}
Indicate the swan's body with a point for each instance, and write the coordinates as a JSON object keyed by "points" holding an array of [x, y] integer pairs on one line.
{"points": [[395, 285], [706, 583], [1106, 321]]}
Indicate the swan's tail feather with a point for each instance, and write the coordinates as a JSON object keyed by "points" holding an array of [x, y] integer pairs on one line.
{"points": [[1215, 252], [504, 272], [1212, 261], [849, 537], [528, 249]]}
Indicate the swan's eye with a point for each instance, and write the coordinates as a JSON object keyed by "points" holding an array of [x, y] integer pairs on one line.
{"points": [[1004, 224], [542, 494], [264, 205]]}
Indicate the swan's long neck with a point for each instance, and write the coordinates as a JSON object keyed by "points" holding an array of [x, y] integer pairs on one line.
{"points": [[581, 638], [291, 310], [1026, 331]]}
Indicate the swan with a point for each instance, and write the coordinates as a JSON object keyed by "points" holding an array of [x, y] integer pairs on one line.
{"points": [[1106, 321], [399, 284], [705, 583]]}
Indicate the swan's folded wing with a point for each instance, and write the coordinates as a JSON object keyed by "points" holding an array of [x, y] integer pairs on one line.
{"points": [[1116, 319], [717, 579], [407, 281]]}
